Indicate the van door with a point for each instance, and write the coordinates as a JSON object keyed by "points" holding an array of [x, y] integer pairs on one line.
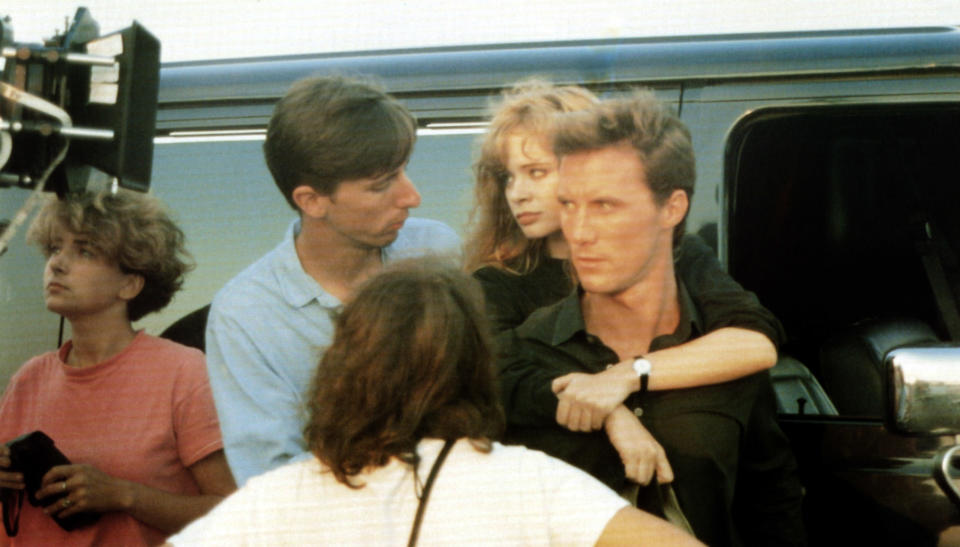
{"points": [[833, 213]]}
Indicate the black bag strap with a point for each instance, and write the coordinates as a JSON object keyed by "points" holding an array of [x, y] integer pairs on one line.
{"points": [[415, 531], [12, 501]]}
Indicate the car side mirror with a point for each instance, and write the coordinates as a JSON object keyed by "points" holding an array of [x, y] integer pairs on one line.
{"points": [[923, 387]]}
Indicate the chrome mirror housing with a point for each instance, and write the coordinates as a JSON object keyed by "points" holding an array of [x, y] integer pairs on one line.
{"points": [[923, 387]]}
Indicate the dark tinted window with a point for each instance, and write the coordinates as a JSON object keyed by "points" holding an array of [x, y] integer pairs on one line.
{"points": [[829, 211]]}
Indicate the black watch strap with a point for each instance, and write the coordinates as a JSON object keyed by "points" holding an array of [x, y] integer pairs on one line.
{"points": [[642, 367]]}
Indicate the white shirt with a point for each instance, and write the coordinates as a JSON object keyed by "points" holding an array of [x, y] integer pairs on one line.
{"points": [[511, 496]]}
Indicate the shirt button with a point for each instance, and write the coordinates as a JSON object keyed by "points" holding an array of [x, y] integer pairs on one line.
{"points": [[638, 412]]}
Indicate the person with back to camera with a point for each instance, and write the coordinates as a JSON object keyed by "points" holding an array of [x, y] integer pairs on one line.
{"points": [[133, 413], [337, 149], [520, 255], [409, 376]]}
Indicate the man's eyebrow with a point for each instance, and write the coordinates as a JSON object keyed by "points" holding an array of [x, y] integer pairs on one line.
{"points": [[606, 198], [536, 162], [387, 175]]}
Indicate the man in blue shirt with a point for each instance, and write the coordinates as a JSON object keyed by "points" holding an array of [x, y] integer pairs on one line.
{"points": [[337, 149]]}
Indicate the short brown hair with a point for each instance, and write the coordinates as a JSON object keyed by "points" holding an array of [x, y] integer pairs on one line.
{"points": [[132, 230], [411, 358], [328, 129], [657, 135]]}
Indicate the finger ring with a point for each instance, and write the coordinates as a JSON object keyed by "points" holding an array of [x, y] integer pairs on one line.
{"points": [[66, 503], [63, 486]]}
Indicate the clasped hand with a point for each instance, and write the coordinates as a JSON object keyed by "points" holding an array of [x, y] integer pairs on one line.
{"points": [[642, 456], [585, 400], [87, 490]]}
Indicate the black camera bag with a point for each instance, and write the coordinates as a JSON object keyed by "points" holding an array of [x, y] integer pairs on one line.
{"points": [[33, 454]]}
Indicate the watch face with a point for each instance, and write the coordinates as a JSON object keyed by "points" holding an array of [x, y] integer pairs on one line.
{"points": [[641, 367]]}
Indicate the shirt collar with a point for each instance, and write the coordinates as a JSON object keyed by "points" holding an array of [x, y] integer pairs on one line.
{"points": [[569, 321], [298, 288], [690, 325]]}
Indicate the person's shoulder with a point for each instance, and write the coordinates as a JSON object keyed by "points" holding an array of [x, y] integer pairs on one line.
{"points": [[694, 257], [252, 285], [38, 361], [427, 235], [159, 357], [494, 275], [157, 345], [541, 318], [264, 268], [304, 472], [528, 460], [509, 458], [517, 452], [35, 369], [255, 271]]}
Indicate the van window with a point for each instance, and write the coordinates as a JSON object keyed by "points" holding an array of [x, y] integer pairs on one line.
{"points": [[232, 213], [837, 218]]}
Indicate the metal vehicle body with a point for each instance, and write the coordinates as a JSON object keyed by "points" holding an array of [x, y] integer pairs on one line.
{"points": [[819, 156]]}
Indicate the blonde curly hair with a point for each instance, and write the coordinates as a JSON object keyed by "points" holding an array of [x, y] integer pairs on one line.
{"points": [[131, 229]]}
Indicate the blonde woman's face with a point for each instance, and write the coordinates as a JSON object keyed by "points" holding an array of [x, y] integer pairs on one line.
{"points": [[531, 188], [79, 280]]}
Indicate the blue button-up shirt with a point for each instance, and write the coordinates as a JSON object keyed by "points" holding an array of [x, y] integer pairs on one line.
{"points": [[267, 329]]}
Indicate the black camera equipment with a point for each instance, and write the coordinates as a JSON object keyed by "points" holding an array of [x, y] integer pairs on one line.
{"points": [[77, 104], [33, 454]]}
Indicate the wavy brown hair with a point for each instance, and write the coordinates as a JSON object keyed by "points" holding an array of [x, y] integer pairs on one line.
{"points": [[528, 107], [131, 229], [411, 358]]}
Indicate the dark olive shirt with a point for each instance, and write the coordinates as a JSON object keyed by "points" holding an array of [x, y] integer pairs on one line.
{"points": [[718, 419], [720, 439]]}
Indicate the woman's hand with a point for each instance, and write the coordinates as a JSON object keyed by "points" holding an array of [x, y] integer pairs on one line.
{"points": [[88, 490], [585, 400], [9, 479], [643, 457]]}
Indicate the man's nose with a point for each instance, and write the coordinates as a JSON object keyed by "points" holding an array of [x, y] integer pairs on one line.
{"points": [[407, 195], [576, 226]]}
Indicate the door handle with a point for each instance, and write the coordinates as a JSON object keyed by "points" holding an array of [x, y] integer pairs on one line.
{"points": [[941, 472]]}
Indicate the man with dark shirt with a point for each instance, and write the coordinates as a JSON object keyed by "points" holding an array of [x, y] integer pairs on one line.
{"points": [[626, 175]]}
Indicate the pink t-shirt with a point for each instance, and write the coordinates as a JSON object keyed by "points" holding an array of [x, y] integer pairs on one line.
{"points": [[144, 415]]}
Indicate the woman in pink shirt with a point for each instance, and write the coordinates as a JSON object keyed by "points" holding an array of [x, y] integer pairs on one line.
{"points": [[133, 413]]}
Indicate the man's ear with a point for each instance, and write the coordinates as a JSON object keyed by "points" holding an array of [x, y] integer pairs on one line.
{"points": [[674, 210], [310, 202], [132, 286]]}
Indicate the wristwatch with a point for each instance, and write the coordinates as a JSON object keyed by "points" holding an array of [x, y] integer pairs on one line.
{"points": [[642, 367]]}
